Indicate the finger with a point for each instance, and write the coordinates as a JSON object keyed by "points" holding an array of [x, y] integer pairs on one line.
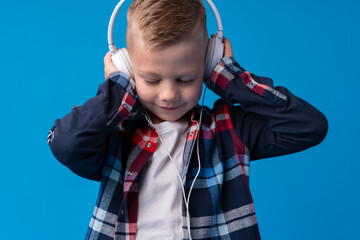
{"points": [[228, 52], [107, 57]]}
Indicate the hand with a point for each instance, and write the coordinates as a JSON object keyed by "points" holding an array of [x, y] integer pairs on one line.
{"points": [[228, 52], [109, 66]]}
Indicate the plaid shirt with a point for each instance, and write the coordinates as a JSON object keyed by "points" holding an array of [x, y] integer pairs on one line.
{"points": [[108, 139]]}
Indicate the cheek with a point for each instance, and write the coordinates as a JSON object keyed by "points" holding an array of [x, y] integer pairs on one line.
{"points": [[194, 93], [143, 92]]}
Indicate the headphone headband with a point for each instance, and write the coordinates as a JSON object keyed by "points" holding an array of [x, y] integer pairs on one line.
{"points": [[112, 46]]}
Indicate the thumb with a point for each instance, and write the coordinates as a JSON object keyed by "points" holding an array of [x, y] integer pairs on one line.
{"points": [[228, 52], [109, 66]]}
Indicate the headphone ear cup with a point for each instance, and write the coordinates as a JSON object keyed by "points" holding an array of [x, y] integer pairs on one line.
{"points": [[209, 58], [214, 53], [121, 60]]}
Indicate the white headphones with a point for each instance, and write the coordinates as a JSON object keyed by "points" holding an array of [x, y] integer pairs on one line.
{"points": [[214, 52]]}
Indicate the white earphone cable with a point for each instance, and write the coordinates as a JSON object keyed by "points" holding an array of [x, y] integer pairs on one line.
{"points": [[177, 172], [199, 164], [172, 161]]}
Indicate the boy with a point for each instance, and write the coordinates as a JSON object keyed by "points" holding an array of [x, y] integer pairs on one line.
{"points": [[143, 162]]}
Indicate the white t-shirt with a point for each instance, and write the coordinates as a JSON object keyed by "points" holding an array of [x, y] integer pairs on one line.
{"points": [[160, 193]]}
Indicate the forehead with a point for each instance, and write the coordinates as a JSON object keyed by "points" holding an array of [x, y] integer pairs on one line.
{"points": [[185, 56]]}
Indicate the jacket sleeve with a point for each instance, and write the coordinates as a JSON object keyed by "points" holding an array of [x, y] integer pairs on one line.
{"points": [[269, 120], [78, 140]]}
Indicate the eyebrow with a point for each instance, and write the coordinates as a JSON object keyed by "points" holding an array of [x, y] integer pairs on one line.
{"points": [[195, 71]]}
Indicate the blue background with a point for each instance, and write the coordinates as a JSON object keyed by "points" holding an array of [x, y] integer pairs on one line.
{"points": [[52, 58]]}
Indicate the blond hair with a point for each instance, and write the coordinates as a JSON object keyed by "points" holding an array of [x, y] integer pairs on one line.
{"points": [[165, 22]]}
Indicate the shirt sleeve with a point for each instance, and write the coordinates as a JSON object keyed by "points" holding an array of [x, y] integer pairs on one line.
{"points": [[269, 120], [79, 139]]}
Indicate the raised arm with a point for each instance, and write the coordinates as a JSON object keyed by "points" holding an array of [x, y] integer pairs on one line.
{"points": [[79, 139], [269, 120]]}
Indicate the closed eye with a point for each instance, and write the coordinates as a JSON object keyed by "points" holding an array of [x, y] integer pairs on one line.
{"points": [[152, 82], [185, 82]]}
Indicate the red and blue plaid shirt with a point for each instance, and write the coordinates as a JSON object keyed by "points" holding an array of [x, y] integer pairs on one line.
{"points": [[108, 139]]}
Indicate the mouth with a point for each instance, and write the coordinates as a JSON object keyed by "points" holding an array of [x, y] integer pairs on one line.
{"points": [[169, 109]]}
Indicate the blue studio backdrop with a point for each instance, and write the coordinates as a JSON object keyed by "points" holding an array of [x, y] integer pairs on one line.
{"points": [[52, 58]]}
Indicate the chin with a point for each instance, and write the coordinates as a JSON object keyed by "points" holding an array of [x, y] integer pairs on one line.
{"points": [[170, 119]]}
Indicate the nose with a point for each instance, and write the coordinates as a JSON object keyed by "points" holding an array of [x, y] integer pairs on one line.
{"points": [[168, 92]]}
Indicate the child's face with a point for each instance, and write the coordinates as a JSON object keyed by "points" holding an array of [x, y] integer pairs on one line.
{"points": [[168, 81]]}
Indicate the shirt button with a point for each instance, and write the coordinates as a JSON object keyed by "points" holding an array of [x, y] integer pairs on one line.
{"points": [[129, 173], [191, 134], [149, 145]]}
